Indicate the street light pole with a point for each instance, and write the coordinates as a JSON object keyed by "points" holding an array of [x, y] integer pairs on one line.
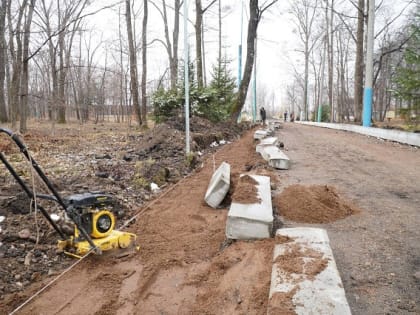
{"points": [[368, 93]]}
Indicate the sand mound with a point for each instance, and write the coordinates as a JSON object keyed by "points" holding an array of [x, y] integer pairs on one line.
{"points": [[312, 204], [246, 191]]}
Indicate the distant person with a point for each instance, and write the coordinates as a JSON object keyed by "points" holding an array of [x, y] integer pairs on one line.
{"points": [[292, 117], [263, 115], [285, 115]]}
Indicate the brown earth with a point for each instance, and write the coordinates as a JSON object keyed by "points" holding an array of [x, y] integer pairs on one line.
{"points": [[312, 204], [246, 191], [185, 265]]}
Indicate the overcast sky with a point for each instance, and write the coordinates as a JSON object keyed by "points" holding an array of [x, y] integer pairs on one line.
{"points": [[278, 42]]}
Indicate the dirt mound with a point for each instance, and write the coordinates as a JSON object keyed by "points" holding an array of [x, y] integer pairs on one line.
{"points": [[312, 204], [204, 132], [246, 191]]}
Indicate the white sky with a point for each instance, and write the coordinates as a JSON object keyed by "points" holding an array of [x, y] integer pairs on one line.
{"points": [[275, 39], [277, 42]]}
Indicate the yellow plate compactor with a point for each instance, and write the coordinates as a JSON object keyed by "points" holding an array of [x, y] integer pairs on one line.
{"points": [[91, 213]]}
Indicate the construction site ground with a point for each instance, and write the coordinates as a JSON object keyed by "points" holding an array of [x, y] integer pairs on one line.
{"points": [[364, 191]]}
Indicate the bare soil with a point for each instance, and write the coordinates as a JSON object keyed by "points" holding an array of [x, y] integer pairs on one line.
{"points": [[185, 265], [246, 191], [312, 204]]}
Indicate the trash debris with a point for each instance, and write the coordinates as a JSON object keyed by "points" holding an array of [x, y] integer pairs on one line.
{"points": [[154, 187], [55, 217]]}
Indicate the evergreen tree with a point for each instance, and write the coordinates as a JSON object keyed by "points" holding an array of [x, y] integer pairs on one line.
{"points": [[222, 89], [213, 102]]}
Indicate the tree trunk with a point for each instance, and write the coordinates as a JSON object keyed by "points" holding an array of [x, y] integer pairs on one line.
{"points": [[144, 65], [305, 88], [121, 93], [175, 39], [17, 64], [133, 65], [3, 52], [249, 63], [198, 25], [171, 49], [359, 65], [25, 66], [61, 81], [331, 62]]}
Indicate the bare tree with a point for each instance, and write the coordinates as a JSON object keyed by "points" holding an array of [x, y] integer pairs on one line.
{"points": [[59, 36], [171, 47], [25, 68], [330, 44], [16, 56], [343, 100], [199, 12], [71, 12], [134, 82], [122, 78], [144, 64], [255, 16], [359, 64], [3, 55], [305, 13]]}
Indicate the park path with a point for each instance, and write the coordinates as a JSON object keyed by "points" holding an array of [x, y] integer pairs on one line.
{"points": [[377, 251]]}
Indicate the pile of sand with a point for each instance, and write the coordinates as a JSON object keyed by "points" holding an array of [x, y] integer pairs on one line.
{"points": [[312, 204], [246, 191]]}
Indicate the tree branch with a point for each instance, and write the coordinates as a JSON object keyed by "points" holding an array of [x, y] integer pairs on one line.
{"points": [[206, 8], [393, 20], [264, 8], [64, 28]]}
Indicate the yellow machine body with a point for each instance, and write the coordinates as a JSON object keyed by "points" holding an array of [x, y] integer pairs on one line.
{"points": [[104, 240], [96, 232], [115, 240]]}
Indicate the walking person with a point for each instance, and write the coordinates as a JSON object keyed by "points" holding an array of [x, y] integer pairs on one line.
{"points": [[263, 115]]}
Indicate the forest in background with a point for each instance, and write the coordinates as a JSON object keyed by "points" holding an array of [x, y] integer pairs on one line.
{"points": [[51, 68]]}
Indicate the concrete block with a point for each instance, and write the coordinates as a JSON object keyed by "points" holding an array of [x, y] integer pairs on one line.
{"points": [[219, 186], [252, 221], [275, 125], [260, 134], [275, 157], [309, 290], [270, 141], [270, 131]]}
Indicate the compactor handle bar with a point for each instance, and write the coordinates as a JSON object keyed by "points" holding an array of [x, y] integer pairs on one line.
{"points": [[44, 178]]}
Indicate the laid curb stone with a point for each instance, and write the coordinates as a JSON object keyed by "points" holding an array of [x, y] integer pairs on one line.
{"points": [[270, 141], [255, 220], [307, 289]]}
